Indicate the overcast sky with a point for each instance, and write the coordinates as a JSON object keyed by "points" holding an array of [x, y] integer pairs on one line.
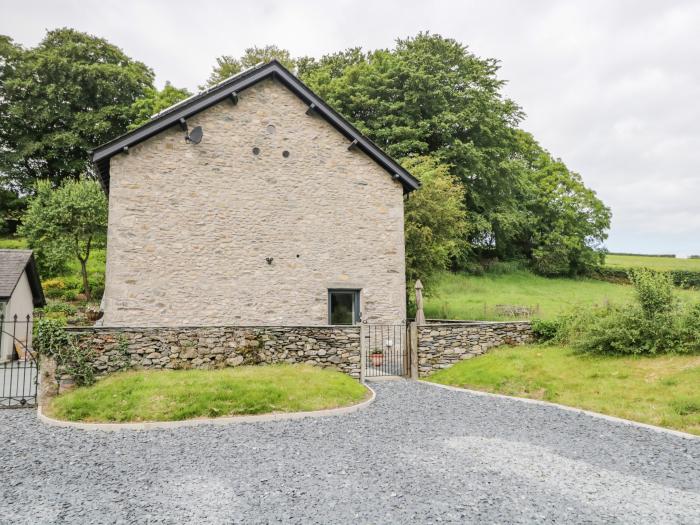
{"points": [[612, 87]]}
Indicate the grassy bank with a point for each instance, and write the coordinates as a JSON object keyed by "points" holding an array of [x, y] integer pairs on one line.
{"points": [[485, 297], [656, 390], [654, 263], [186, 394]]}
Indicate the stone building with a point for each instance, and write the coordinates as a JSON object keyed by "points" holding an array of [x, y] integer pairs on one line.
{"points": [[20, 292], [252, 203]]}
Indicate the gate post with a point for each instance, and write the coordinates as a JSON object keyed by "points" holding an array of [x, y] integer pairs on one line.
{"points": [[364, 339], [413, 345]]}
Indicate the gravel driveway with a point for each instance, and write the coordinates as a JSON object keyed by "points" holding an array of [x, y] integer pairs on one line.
{"points": [[420, 453]]}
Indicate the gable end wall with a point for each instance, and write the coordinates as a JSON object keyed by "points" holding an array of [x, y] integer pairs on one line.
{"points": [[191, 226]]}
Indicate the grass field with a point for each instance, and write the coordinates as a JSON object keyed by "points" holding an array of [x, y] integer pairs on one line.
{"points": [[186, 394], [461, 296], [660, 390], [655, 263]]}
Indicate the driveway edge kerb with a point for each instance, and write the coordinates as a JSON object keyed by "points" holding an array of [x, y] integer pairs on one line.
{"points": [[613, 419], [159, 425]]}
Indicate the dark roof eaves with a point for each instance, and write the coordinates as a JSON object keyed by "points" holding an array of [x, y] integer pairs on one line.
{"points": [[35, 282]]}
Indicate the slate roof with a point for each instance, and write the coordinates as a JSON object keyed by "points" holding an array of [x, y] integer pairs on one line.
{"points": [[229, 89], [12, 264]]}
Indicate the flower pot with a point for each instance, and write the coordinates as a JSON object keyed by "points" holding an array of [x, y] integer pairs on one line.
{"points": [[377, 359], [93, 315]]}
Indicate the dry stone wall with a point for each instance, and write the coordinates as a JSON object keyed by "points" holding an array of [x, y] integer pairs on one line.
{"points": [[443, 345], [218, 347]]}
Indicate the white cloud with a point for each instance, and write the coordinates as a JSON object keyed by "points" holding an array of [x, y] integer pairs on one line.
{"points": [[613, 88]]}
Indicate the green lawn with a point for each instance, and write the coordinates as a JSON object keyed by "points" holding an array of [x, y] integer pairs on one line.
{"points": [[655, 263], [472, 297], [657, 390], [185, 394]]}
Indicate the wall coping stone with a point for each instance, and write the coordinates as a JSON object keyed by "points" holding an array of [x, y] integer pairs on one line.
{"points": [[192, 327], [473, 323]]}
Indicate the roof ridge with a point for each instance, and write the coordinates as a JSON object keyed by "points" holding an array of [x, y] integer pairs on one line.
{"points": [[207, 90], [229, 88]]}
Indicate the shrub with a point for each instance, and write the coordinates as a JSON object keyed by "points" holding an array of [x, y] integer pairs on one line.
{"points": [[654, 291], [545, 329], [57, 310], [50, 336], [51, 339], [472, 268], [54, 288], [656, 324], [97, 285], [505, 267], [70, 295], [680, 278], [551, 261]]}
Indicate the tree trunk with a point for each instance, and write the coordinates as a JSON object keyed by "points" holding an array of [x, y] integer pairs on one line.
{"points": [[86, 283]]}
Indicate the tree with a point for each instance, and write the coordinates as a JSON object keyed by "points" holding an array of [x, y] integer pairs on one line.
{"points": [[431, 96], [227, 65], [68, 220], [70, 93], [435, 220], [11, 208], [330, 66], [566, 222], [154, 101]]}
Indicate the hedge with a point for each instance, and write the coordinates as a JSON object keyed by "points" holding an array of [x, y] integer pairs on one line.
{"points": [[666, 255], [681, 278]]}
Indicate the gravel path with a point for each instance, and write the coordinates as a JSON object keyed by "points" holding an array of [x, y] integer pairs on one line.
{"points": [[420, 454]]}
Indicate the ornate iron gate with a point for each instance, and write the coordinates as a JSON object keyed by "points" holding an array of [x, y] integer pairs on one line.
{"points": [[19, 367], [386, 350]]}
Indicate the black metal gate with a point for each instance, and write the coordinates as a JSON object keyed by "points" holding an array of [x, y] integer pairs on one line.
{"points": [[19, 367], [386, 350]]}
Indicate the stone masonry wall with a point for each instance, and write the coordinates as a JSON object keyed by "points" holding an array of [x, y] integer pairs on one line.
{"points": [[218, 347], [443, 345], [191, 226]]}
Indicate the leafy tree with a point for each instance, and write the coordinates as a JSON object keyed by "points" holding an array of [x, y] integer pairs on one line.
{"points": [[70, 93], [431, 96], [11, 208], [227, 65], [154, 101], [329, 66], [653, 290], [68, 220], [435, 220], [566, 222]]}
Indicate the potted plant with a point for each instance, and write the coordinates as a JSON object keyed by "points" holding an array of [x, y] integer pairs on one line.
{"points": [[377, 357], [93, 313]]}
